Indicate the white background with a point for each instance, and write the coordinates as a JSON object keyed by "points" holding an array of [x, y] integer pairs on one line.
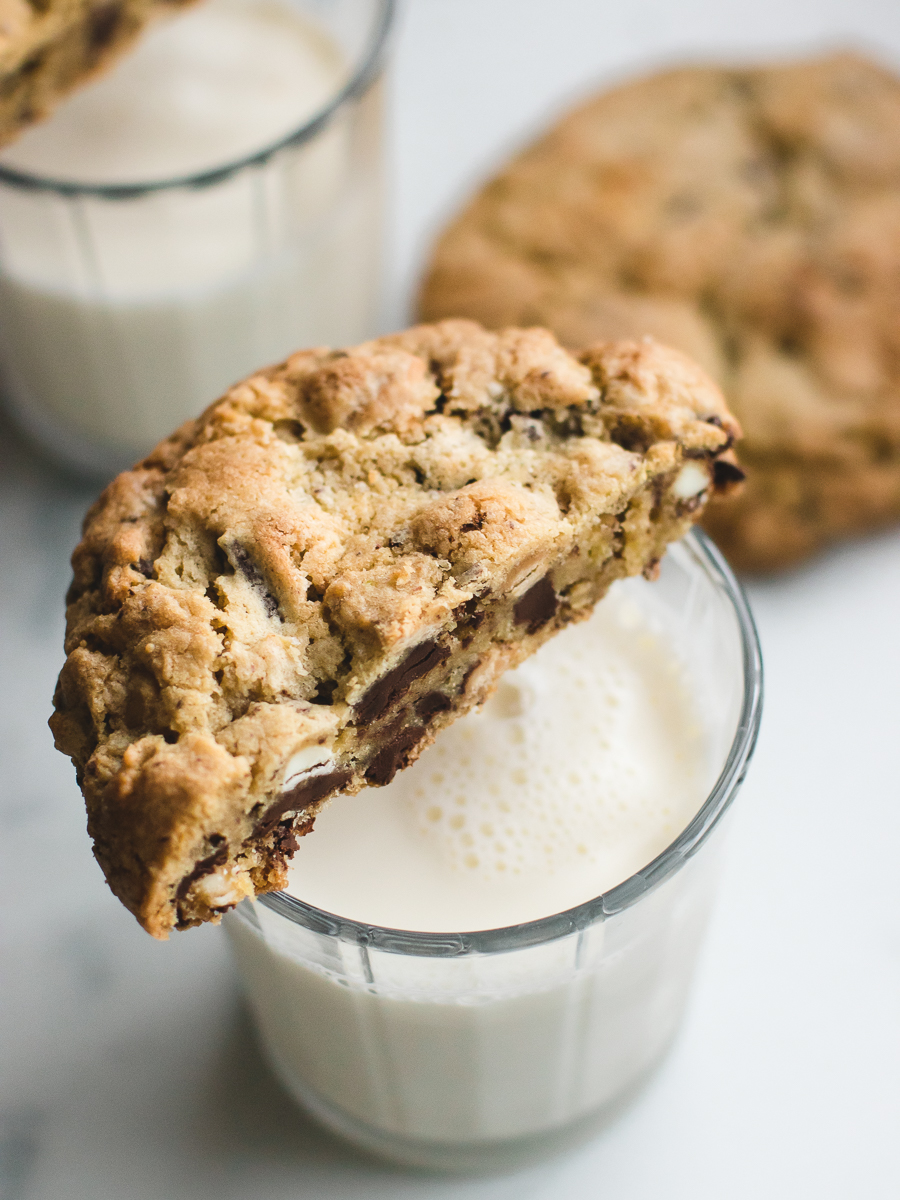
{"points": [[127, 1071]]}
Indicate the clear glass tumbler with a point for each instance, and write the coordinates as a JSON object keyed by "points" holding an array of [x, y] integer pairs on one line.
{"points": [[483, 1050], [126, 309]]}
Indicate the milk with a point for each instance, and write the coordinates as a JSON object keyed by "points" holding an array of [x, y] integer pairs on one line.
{"points": [[121, 316], [208, 87], [584, 775], [583, 766]]}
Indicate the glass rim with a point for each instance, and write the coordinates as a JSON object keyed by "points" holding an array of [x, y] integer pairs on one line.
{"points": [[364, 74], [623, 895]]}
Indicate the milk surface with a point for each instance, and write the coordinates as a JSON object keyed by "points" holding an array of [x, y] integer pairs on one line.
{"points": [[584, 765], [121, 318]]}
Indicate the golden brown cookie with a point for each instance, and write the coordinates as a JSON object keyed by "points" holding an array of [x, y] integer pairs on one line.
{"points": [[48, 47], [750, 217], [292, 594]]}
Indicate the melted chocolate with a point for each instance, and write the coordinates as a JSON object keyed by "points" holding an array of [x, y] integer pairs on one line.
{"points": [[390, 687], [242, 562], [537, 606], [103, 25], [432, 703], [307, 792], [469, 618], [203, 867], [285, 840], [394, 755]]}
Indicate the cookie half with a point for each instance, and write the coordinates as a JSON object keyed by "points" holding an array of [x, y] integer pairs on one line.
{"points": [[290, 596], [749, 216], [47, 49]]}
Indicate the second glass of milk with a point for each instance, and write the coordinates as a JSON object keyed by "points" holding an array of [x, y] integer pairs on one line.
{"points": [[557, 854], [209, 205]]}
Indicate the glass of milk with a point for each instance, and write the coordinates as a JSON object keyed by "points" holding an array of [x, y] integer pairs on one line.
{"points": [[483, 962], [209, 205]]}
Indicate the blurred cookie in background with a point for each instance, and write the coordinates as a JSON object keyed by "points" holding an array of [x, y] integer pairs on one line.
{"points": [[749, 216]]}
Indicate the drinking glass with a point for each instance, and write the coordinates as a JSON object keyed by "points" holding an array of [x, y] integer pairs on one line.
{"points": [[486, 1049], [127, 308]]}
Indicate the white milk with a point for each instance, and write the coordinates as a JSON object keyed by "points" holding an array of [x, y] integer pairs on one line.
{"points": [[206, 88], [583, 766], [460, 1049], [122, 317]]}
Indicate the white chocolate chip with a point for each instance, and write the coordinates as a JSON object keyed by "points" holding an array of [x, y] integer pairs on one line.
{"points": [[222, 887], [690, 481], [311, 760]]}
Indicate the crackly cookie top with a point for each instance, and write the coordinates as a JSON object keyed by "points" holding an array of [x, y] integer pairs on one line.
{"points": [[324, 509], [750, 216]]}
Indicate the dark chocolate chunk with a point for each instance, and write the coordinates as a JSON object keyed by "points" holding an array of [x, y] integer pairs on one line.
{"points": [[432, 703], [103, 25], [468, 619], [725, 472], [289, 431], [307, 792], [630, 432], [469, 614], [390, 687], [473, 526], [243, 563], [203, 867], [394, 755], [467, 635], [537, 606], [285, 840]]}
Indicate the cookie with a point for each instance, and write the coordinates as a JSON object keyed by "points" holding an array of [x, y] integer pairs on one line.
{"points": [[47, 49], [750, 217], [290, 596]]}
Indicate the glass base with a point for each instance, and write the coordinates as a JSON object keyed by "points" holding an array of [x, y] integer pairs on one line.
{"points": [[475, 1157]]}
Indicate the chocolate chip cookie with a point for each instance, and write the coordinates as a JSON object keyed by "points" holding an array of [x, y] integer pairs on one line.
{"points": [[750, 217], [292, 594], [47, 47]]}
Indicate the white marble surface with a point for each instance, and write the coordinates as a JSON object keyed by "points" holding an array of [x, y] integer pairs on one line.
{"points": [[127, 1071]]}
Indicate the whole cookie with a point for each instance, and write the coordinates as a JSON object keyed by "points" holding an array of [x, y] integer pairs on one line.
{"points": [[750, 217]]}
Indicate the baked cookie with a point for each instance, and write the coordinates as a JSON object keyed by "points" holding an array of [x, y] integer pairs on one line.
{"points": [[750, 217], [292, 594], [47, 47]]}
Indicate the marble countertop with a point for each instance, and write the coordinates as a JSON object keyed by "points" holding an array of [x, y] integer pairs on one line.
{"points": [[127, 1068]]}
